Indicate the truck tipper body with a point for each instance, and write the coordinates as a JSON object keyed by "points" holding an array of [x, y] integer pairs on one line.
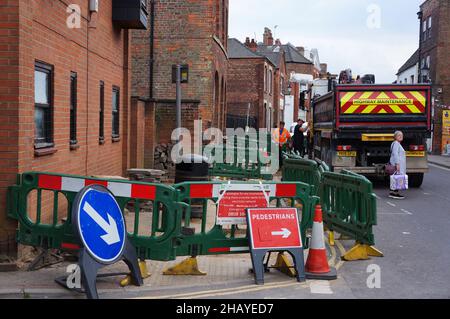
{"points": [[354, 126]]}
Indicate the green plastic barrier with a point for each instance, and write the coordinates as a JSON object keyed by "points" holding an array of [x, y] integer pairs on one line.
{"points": [[302, 170], [42, 204], [212, 239], [159, 217], [349, 205], [243, 165]]}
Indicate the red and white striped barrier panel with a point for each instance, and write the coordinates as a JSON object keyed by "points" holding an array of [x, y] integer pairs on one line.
{"points": [[214, 190], [73, 184]]}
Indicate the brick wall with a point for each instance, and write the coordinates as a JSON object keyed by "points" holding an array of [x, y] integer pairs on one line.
{"points": [[437, 47], [96, 51], [185, 32], [9, 105], [245, 85]]}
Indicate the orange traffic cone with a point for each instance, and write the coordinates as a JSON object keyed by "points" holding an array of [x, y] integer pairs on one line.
{"points": [[317, 263]]}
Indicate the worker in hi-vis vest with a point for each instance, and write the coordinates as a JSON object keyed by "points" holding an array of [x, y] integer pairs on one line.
{"points": [[281, 136]]}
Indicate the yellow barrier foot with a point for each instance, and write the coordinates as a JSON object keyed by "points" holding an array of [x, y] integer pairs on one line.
{"points": [[331, 238], [362, 252], [283, 265], [188, 267], [144, 273]]}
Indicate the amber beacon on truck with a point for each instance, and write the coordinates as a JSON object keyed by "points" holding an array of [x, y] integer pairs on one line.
{"points": [[354, 127]]}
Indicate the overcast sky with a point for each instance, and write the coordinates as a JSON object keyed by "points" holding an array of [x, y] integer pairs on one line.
{"points": [[347, 33]]}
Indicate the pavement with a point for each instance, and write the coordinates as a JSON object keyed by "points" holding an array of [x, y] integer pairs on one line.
{"points": [[442, 161], [226, 275]]}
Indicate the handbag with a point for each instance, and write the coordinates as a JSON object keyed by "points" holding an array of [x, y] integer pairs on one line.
{"points": [[390, 169], [399, 182]]}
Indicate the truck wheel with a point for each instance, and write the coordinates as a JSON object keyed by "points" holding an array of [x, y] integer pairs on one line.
{"points": [[416, 180]]}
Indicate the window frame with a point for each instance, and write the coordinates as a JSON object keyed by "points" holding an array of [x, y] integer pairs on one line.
{"points": [[101, 125], [115, 131], [73, 108], [47, 141]]}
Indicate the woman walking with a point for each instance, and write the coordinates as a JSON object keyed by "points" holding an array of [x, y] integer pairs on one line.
{"points": [[398, 160]]}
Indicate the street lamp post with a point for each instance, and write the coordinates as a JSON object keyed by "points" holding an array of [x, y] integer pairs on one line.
{"points": [[420, 16]]}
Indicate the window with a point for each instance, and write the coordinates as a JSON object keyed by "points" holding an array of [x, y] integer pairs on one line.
{"points": [[101, 125], [424, 30], [73, 108], [265, 78], [270, 82], [115, 112], [429, 27], [43, 108], [406, 81], [428, 63], [412, 79]]}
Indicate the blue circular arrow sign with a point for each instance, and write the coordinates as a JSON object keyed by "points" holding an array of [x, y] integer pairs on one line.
{"points": [[100, 224]]}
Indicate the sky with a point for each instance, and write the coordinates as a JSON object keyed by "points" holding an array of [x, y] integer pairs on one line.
{"points": [[367, 36]]}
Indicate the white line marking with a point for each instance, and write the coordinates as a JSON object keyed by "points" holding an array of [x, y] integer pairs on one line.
{"points": [[391, 204], [440, 167], [406, 212], [320, 287], [406, 233]]}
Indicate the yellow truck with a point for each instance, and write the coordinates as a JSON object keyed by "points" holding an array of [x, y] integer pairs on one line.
{"points": [[354, 125]]}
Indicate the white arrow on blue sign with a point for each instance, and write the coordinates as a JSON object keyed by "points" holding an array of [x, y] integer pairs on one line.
{"points": [[101, 225]]}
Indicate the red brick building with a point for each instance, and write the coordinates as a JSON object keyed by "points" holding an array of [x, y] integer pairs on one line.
{"points": [[275, 53], [64, 92], [181, 32], [434, 59], [251, 86]]}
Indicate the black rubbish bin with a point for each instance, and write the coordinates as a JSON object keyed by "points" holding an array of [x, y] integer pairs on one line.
{"points": [[193, 168]]}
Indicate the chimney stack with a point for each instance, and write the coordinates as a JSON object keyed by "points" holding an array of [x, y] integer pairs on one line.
{"points": [[247, 42], [253, 45], [277, 42], [268, 38], [323, 68]]}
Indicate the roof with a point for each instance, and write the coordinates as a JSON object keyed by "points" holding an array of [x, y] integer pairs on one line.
{"points": [[273, 53], [412, 61], [293, 55], [237, 50]]}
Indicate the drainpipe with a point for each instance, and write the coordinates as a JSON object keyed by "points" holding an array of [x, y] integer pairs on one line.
{"points": [[419, 16], [152, 53]]}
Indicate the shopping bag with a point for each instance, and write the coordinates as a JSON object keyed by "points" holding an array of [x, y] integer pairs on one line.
{"points": [[399, 182]]}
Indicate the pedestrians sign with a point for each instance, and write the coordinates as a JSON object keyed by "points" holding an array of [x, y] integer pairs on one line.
{"points": [[274, 229], [101, 225]]}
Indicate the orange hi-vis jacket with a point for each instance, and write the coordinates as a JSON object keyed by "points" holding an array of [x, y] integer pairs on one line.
{"points": [[281, 138]]}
